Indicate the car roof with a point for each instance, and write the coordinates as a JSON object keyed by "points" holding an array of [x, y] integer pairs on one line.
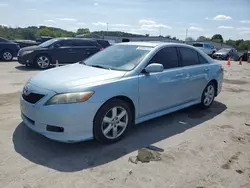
{"points": [[156, 44], [74, 38]]}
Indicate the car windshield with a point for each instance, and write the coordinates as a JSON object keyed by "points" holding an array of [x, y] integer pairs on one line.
{"points": [[48, 43], [224, 50], [119, 57]]}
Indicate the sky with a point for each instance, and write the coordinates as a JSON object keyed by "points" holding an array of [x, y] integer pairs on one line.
{"points": [[231, 18]]}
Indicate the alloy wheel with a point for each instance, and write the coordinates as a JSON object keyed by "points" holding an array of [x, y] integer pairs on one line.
{"points": [[209, 95], [7, 56], [43, 62], [114, 122]]}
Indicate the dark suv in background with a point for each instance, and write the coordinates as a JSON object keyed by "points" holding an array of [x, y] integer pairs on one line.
{"points": [[8, 49], [226, 53], [63, 50]]}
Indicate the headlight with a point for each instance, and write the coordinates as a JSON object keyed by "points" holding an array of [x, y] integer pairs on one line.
{"points": [[67, 98], [27, 52]]}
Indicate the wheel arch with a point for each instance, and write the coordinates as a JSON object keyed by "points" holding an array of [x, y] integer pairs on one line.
{"points": [[6, 49], [125, 99], [40, 54], [215, 82]]}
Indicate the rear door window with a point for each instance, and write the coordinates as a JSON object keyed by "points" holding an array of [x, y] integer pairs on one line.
{"points": [[103, 43], [198, 45], [82, 43], [167, 57], [202, 59], [189, 56]]}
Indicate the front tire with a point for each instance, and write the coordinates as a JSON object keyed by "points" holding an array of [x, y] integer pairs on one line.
{"points": [[42, 61], [208, 96], [7, 55], [112, 121]]}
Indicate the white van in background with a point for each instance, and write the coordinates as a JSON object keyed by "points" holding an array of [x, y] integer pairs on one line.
{"points": [[205, 47]]}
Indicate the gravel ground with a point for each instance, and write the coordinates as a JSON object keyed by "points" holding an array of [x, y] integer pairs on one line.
{"points": [[186, 149]]}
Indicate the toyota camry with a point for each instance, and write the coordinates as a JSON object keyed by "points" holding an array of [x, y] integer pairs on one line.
{"points": [[103, 96]]}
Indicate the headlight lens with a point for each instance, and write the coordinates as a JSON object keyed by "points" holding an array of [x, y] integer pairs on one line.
{"points": [[67, 98], [27, 52]]}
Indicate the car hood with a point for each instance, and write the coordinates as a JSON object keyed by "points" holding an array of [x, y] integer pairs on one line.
{"points": [[70, 77], [30, 48]]}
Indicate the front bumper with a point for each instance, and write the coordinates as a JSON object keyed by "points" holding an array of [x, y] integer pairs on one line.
{"points": [[219, 57], [24, 60], [76, 120]]}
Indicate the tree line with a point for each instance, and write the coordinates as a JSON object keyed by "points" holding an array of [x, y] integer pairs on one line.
{"points": [[240, 44], [33, 32]]}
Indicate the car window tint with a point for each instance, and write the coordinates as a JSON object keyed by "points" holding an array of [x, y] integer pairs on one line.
{"points": [[103, 43], [202, 59], [167, 57], [189, 56], [61, 43], [198, 45], [207, 46], [79, 43]]}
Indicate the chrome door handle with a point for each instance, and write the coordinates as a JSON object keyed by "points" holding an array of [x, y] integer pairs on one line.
{"points": [[179, 75], [207, 69]]}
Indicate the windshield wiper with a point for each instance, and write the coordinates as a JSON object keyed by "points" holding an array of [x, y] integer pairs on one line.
{"points": [[99, 66], [82, 62]]}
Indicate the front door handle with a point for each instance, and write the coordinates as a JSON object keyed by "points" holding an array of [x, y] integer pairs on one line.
{"points": [[207, 69], [179, 75]]}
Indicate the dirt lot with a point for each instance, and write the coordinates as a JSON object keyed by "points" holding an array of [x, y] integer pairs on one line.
{"points": [[190, 148]]}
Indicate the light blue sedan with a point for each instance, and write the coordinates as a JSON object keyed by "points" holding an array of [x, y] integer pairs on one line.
{"points": [[125, 84]]}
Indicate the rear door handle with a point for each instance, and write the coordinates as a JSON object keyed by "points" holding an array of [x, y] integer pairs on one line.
{"points": [[207, 69], [179, 75]]}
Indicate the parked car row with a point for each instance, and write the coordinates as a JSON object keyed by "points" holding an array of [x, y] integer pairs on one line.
{"points": [[63, 50], [42, 55]]}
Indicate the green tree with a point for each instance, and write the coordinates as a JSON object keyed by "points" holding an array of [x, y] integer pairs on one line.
{"points": [[203, 38], [231, 43], [189, 39], [45, 32], [217, 38], [81, 31]]}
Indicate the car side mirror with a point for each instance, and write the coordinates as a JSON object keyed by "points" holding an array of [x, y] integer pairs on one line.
{"points": [[154, 67]]}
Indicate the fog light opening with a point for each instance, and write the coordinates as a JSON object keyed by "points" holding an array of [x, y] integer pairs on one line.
{"points": [[54, 129]]}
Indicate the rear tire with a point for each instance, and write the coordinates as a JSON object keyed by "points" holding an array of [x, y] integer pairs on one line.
{"points": [[42, 61], [208, 95], [112, 121], [7, 55]]}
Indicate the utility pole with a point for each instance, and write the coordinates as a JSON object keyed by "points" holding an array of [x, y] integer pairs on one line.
{"points": [[107, 26], [186, 34]]}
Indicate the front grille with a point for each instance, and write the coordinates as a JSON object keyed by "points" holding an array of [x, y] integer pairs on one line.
{"points": [[32, 97]]}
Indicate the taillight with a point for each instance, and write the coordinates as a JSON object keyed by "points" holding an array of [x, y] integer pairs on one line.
{"points": [[101, 49]]}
